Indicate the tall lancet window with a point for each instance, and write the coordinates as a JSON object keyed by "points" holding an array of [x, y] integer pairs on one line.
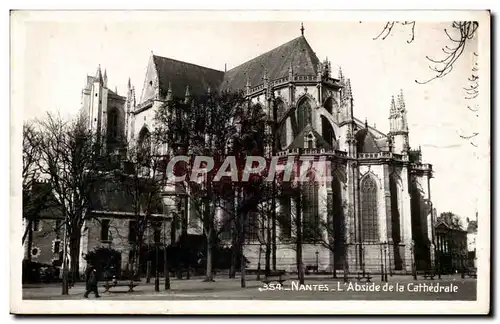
{"points": [[369, 215], [113, 125], [310, 212], [304, 115], [282, 135], [280, 109], [144, 146]]}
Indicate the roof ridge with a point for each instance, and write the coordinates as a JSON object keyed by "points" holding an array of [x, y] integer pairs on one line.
{"points": [[311, 54], [265, 53], [184, 62]]}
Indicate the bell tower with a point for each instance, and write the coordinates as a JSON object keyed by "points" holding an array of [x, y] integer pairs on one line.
{"points": [[399, 125]]}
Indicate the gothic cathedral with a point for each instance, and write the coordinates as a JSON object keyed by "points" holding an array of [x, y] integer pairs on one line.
{"points": [[378, 201]]}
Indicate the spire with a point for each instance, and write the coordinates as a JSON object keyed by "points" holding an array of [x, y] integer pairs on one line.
{"points": [[129, 84], [98, 75], [188, 93], [401, 102], [366, 122], [341, 75], [133, 95], [393, 106], [302, 29], [169, 92], [348, 90], [105, 78], [320, 71], [327, 68]]}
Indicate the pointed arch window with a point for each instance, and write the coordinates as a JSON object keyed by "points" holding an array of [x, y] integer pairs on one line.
{"points": [[304, 114], [329, 105], [310, 228], [369, 214], [144, 147], [282, 135], [327, 131], [280, 109], [113, 124]]}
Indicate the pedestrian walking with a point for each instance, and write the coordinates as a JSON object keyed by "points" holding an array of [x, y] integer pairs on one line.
{"points": [[91, 282]]}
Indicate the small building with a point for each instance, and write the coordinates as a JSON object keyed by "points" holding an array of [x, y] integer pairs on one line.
{"points": [[451, 245], [471, 243], [112, 223]]}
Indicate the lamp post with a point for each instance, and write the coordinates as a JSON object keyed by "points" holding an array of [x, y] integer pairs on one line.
{"points": [[362, 259], [413, 269], [157, 269], [65, 288], [463, 260], [381, 263], [440, 248], [385, 261], [258, 264], [389, 256], [346, 269], [317, 261], [166, 271]]}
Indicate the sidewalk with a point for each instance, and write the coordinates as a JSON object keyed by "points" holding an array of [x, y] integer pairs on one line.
{"points": [[197, 287]]}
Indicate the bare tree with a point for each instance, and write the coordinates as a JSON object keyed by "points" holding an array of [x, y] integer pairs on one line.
{"points": [[36, 195], [70, 160], [460, 33], [458, 36], [216, 126], [143, 180], [471, 93]]}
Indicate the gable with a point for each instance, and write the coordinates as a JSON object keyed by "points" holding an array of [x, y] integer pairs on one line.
{"points": [[300, 140], [180, 74], [150, 80]]}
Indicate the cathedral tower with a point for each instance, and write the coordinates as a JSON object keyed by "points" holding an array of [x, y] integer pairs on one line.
{"points": [[399, 125]]}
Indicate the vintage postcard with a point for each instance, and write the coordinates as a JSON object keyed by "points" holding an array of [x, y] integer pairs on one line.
{"points": [[250, 162]]}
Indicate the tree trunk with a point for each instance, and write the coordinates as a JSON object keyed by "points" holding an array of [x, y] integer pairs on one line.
{"points": [[273, 231], [335, 256], [234, 257], [243, 267], [241, 244], [234, 252], [74, 252], [27, 231], [30, 239], [268, 258], [268, 246], [137, 259], [165, 268], [300, 266], [209, 276], [148, 269]]}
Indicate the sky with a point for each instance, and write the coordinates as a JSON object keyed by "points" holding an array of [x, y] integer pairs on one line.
{"points": [[58, 54]]}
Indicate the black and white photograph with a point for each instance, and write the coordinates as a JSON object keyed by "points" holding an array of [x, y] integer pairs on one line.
{"points": [[250, 162]]}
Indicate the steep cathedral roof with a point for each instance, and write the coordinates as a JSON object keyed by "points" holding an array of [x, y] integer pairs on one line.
{"points": [[297, 53], [181, 74], [366, 142]]}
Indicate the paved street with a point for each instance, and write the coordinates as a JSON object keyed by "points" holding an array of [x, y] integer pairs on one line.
{"points": [[316, 288]]}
